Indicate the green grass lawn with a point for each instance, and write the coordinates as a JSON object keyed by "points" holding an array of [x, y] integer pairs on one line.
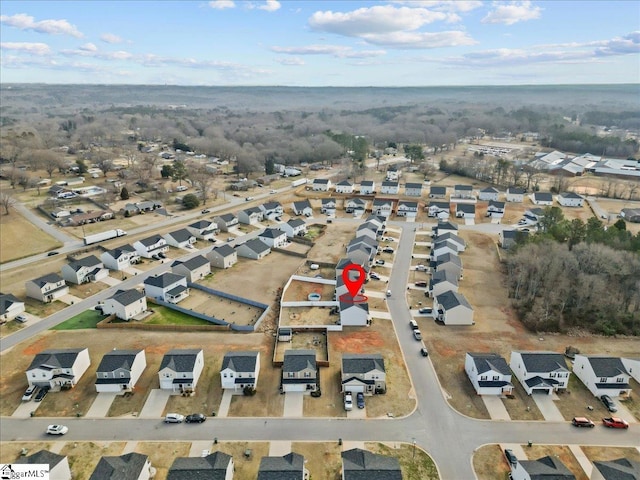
{"points": [[312, 233], [166, 316], [86, 319]]}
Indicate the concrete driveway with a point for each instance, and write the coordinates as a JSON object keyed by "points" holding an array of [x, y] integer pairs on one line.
{"points": [[112, 282], [495, 407], [547, 407], [225, 403], [100, 406], [156, 401], [293, 404], [70, 299], [380, 314], [25, 408], [623, 412]]}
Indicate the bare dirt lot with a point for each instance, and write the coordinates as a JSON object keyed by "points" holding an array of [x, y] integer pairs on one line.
{"points": [[307, 316], [221, 308], [299, 291], [17, 231], [304, 340], [331, 246]]}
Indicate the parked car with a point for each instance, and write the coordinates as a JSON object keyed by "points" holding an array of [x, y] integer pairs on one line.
{"points": [[348, 402], [388, 250], [417, 335], [195, 418], [421, 268], [425, 311], [374, 276], [314, 266], [162, 255], [41, 394], [173, 418], [273, 191], [413, 324], [608, 402], [57, 429], [29, 392], [21, 318], [248, 199], [420, 284], [206, 210], [379, 262], [582, 422], [388, 293], [424, 352], [51, 254], [615, 422], [511, 458], [360, 399]]}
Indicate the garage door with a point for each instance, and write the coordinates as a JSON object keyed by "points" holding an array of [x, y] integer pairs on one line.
{"points": [[354, 388], [295, 388], [541, 391]]}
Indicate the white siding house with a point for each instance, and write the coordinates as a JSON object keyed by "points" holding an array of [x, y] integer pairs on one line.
{"points": [[58, 464], [226, 221], [84, 270], [180, 370], [203, 229], [413, 189], [345, 186], [58, 368], [303, 207], [239, 370], [367, 187], [515, 194], [254, 249], [294, 227], [47, 288], [382, 207], [489, 373], [299, 371], [452, 308], [495, 209], [10, 307], [488, 193], [570, 199], [407, 209], [390, 187], [542, 198], [120, 258], [273, 237], [602, 375], [540, 372], [364, 373], [147, 247], [250, 216], [354, 314], [223, 256], [168, 287], [125, 304], [321, 185], [119, 371], [196, 268]]}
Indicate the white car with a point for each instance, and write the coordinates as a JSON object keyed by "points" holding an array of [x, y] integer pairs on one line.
{"points": [[348, 402], [29, 392], [421, 268], [57, 429], [273, 191]]}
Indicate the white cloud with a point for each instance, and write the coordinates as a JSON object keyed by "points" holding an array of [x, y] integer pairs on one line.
{"points": [[110, 38], [629, 44], [512, 13], [26, 47], [222, 4], [337, 51], [444, 5], [90, 50], [295, 61], [89, 47], [421, 40], [270, 6], [23, 21]]}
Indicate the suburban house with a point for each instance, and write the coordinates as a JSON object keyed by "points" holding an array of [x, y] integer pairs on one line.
{"points": [[328, 206], [273, 237], [630, 214], [361, 252], [379, 220], [299, 371], [618, 469], [254, 249], [214, 466], [271, 210], [295, 227], [224, 222], [354, 314], [345, 186], [196, 268], [90, 217], [544, 468], [120, 258], [240, 370], [437, 192], [125, 304], [452, 308], [542, 198], [358, 464], [443, 281], [250, 216], [147, 247], [58, 368], [382, 207], [515, 194], [180, 370], [602, 375], [390, 188], [203, 229], [367, 187], [489, 373], [453, 238], [134, 466], [287, 467], [119, 370], [440, 247], [168, 287], [355, 205], [223, 256], [10, 307], [58, 464], [413, 189], [47, 288], [508, 238], [84, 270], [532, 216], [321, 185], [633, 367], [363, 372], [495, 209], [488, 193], [141, 207], [540, 372], [444, 227], [60, 212], [439, 209], [367, 229], [463, 191], [303, 208], [465, 210], [407, 209], [448, 259], [570, 199]]}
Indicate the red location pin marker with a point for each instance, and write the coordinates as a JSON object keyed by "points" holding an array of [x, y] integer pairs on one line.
{"points": [[353, 285]]}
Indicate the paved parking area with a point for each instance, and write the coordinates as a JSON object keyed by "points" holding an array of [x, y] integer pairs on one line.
{"points": [[279, 448], [156, 401], [496, 408], [100, 406], [518, 451], [548, 409], [69, 299], [357, 413], [293, 404], [112, 282]]}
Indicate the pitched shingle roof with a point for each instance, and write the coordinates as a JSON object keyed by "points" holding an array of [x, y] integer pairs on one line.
{"points": [[152, 240], [240, 361], [56, 358], [228, 217], [256, 245], [362, 362], [272, 233], [164, 280], [436, 190], [297, 360], [490, 361], [180, 360], [288, 467], [543, 361], [124, 467], [6, 300], [201, 224], [413, 185], [212, 467], [90, 261], [295, 222], [619, 469], [224, 250], [301, 205], [193, 263], [48, 278], [181, 235], [363, 465], [543, 196], [451, 299], [127, 297], [117, 359], [121, 250], [606, 366], [42, 457], [547, 468]]}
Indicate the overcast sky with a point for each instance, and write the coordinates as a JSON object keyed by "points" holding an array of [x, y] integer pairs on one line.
{"points": [[321, 43]]}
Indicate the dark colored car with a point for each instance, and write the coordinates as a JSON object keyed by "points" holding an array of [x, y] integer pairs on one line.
{"points": [[51, 254], [425, 310], [162, 255], [511, 458], [195, 418], [206, 210], [424, 352], [606, 400], [582, 422], [41, 394], [360, 399], [421, 284]]}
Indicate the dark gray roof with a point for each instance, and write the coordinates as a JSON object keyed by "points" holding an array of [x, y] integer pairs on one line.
{"points": [[56, 358], [6, 300], [272, 233], [121, 250], [381, 201], [367, 226], [513, 234], [90, 261], [322, 181], [466, 188], [252, 210], [408, 204], [48, 278], [496, 204], [543, 196], [164, 280], [343, 262], [297, 360], [515, 190], [489, 190], [152, 240], [449, 257], [362, 362], [127, 297], [570, 195], [42, 457], [444, 243], [201, 224], [117, 359], [271, 205], [124, 467], [363, 465], [180, 360], [361, 305], [362, 239], [344, 183], [447, 226], [619, 469], [451, 299], [413, 185], [212, 467], [547, 468], [466, 207], [444, 205], [327, 201], [450, 236], [543, 361], [295, 222], [444, 275], [301, 205], [228, 217], [288, 467], [606, 366], [240, 361], [357, 201], [366, 183], [437, 190], [181, 235], [193, 263], [224, 250], [389, 183], [490, 361], [258, 246]]}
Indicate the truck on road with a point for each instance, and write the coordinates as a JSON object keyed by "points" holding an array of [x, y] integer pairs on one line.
{"points": [[300, 181], [99, 237]]}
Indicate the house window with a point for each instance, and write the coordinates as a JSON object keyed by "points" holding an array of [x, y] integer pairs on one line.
{"points": [[307, 374], [603, 379], [483, 377], [496, 377], [105, 375], [552, 375], [291, 374], [620, 380], [224, 375], [121, 374]]}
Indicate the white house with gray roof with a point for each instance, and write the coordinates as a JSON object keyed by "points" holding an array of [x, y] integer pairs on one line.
{"points": [[295, 227], [489, 373], [465, 210], [10, 307], [328, 206], [168, 287], [436, 191], [119, 370], [495, 209], [452, 237], [58, 368], [463, 191], [273, 237], [321, 185], [540, 372], [223, 256], [58, 464], [303, 207], [180, 370], [300, 371], [288, 467], [358, 464], [120, 258], [441, 210], [47, 288], [84, 270], [250, 216], [515, 194], [182, 238], [542, 198], [452, 308], [407, 209], [271, 210], [413, 189], [602, 375], [367, 187], [545, 468], [354, 314], [147, 247], [203, 229], [442, 281], [618, 469], [488, 193], [226, 221], [240, 369], [441, 247], [345, 186], [389, 187], [214, 466], [382, 207], [130, 466], [125, 304], [255, 249], [570, 199], [196, 268], [363, 372], [355, 205]]}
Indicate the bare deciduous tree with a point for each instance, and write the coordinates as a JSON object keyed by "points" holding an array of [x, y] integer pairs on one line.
{"points": [[7, 202]]}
